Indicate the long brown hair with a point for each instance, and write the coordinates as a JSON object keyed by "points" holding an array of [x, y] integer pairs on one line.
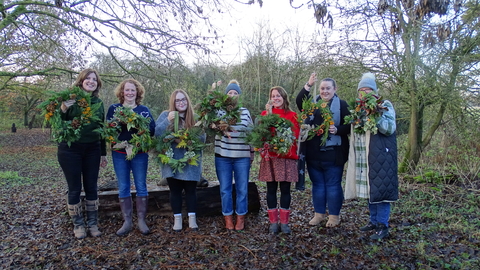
{"points": [[83, 75], [119, 91], [189, 115], [283, 93]]}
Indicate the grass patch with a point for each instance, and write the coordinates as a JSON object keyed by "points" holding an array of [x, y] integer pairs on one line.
{"points": [[12, 179]]}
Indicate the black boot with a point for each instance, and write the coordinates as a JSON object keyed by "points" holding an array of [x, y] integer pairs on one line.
{"points": [[142, 205], [91, 208], [76, 213], [126, 206]]}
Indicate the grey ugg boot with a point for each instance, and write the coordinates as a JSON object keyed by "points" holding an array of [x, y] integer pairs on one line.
{"points": [[76, 213], [91, 208]]}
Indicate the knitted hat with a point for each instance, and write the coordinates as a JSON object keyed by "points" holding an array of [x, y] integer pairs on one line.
{"points": [[233, 85], [368, 80]]}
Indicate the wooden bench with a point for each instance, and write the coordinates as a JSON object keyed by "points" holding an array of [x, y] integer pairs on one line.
{"points": [[208, 200]]}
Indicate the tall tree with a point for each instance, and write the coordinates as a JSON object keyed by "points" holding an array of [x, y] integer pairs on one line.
{"points": [[420, 50], [122, 28]]}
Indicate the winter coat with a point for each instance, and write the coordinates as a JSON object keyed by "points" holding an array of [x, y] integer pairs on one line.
{"points": [[381, 183], [312, 146]]}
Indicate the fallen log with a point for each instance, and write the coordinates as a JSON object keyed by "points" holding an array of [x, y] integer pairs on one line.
{"points": [[208, 200]]}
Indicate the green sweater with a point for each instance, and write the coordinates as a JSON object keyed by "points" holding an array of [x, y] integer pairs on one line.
{"points": [[87, 134]]}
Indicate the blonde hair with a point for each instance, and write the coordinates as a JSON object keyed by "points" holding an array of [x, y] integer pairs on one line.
{"points": [[189, 115]]}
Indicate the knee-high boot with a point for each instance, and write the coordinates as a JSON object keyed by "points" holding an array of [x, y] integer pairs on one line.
{"points": [[126, 207], [76, 213], [91, 208], [142, 205]]}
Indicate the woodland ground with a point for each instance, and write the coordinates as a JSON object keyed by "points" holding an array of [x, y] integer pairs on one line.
{"points": [[432, 227]]}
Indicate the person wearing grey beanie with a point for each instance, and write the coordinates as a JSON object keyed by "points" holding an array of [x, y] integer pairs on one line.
{"points": [[372, 162], [233, 85], [233, 157]]}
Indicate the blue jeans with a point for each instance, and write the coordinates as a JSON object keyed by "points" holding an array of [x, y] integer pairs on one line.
{"points": [[326, 180], [379, 212], [138, 166], [227, 169]]}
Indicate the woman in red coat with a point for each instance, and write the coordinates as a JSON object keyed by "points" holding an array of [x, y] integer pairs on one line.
{"points": [[280, 170]]}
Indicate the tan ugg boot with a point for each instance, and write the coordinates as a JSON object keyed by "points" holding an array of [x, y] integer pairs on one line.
{"points": [[317, 218], [333, 221]]}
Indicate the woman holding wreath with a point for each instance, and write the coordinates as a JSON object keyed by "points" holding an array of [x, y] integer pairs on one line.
{"points": [[279, 169], [81, 160], [372, 163], [326, 156], [232, 160], [180, 108], [130, 94]]}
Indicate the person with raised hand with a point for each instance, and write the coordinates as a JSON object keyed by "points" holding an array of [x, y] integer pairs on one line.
{"points": [[327, 149]]}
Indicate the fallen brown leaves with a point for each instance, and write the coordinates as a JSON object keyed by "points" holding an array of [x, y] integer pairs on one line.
{"points": [[36, 232]]}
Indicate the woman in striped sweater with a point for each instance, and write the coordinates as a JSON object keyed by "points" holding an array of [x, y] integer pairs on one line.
{"points": [[232, 160]]}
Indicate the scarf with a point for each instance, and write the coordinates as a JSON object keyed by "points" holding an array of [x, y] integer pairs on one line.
{"points": [[334, 140]]}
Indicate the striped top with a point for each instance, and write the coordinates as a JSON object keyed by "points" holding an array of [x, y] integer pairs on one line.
{"points": [[235, 146]]}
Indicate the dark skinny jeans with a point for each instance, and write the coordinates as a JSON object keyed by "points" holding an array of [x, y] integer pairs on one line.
{"points": [[80, 163]]}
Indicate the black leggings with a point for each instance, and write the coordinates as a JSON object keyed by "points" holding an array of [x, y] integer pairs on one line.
{"points": [[80, 163], [176, 187], [285, 197]]}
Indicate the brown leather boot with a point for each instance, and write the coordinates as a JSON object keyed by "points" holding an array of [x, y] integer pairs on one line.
{"points": [[229, 222], [240, 225]]}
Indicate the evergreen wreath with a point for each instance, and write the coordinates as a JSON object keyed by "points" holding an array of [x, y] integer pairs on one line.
{"points": [[186, 138], [69, 131], [272, 133], [365, 113], [308, 110], [210, 117], [126, 117]]}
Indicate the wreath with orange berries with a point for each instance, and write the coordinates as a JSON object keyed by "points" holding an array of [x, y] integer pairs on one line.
{"points": [[308, 131], [69, 131]]}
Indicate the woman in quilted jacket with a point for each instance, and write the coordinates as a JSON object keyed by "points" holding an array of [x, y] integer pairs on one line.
{"points": [[372, 161]]}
